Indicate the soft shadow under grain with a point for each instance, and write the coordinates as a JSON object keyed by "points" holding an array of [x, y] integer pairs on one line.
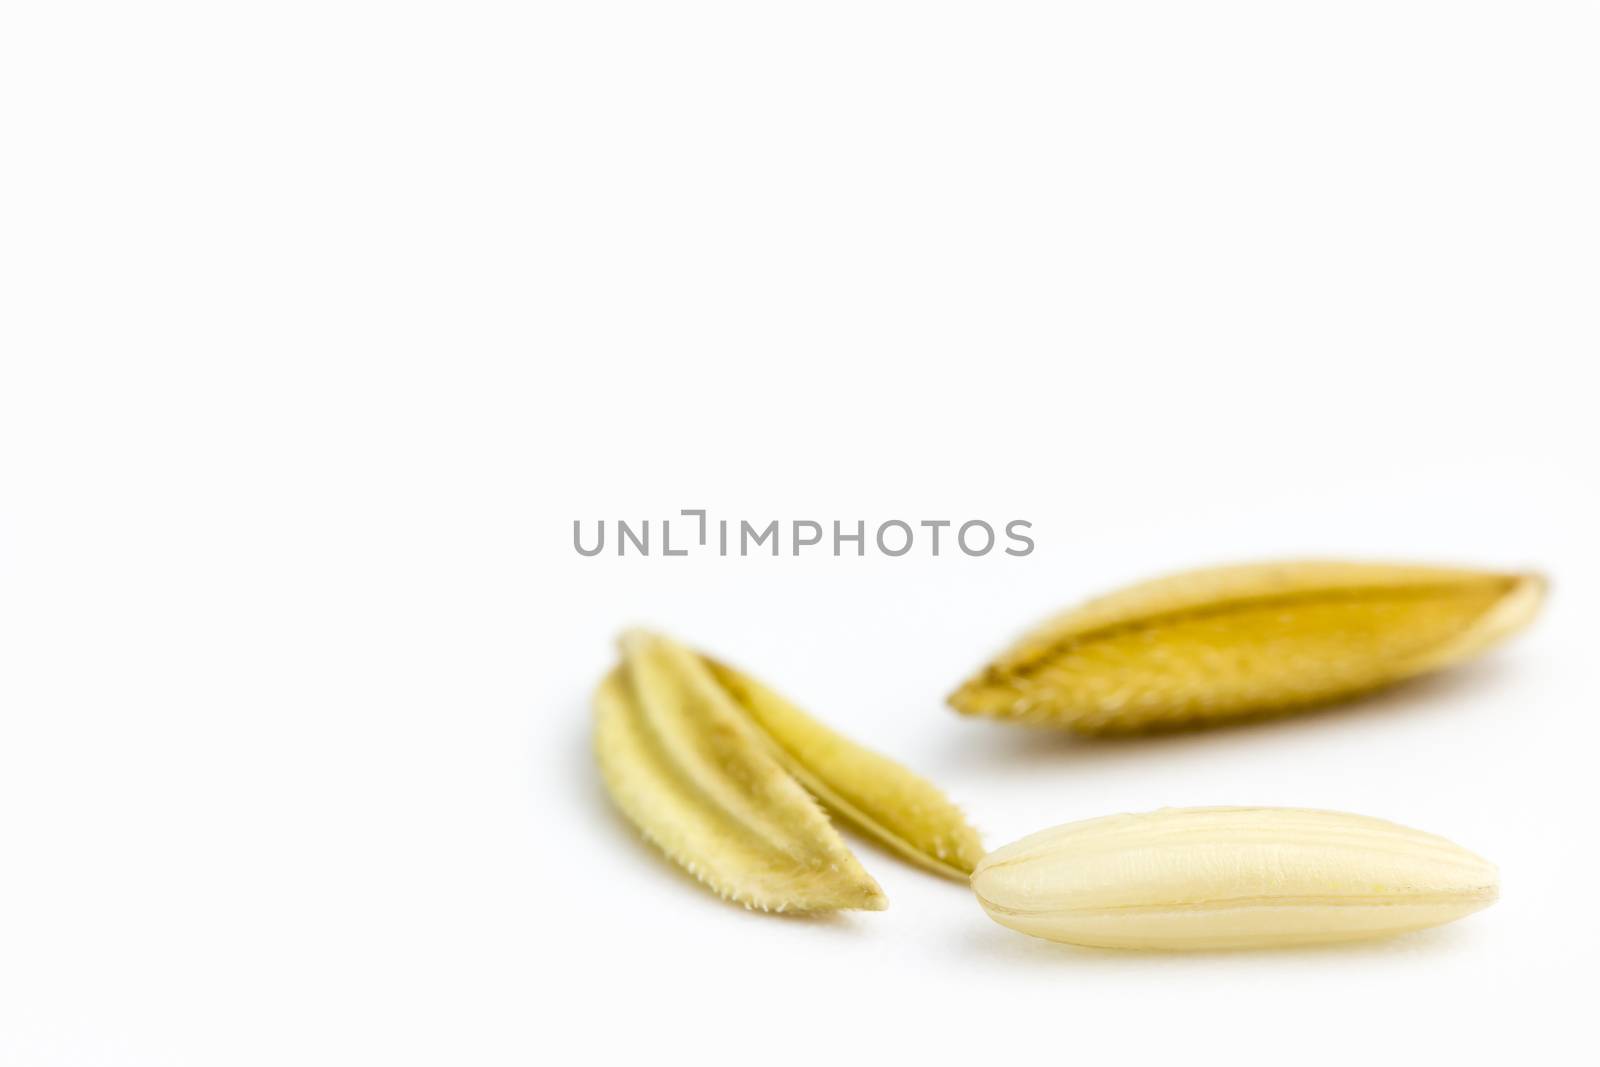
{"points": [[1015, 950]]}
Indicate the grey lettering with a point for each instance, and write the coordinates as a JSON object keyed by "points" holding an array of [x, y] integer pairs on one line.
{"points": [[859, 537], [961, 537], [666, 540], [1011, 532], [702, 513], [805, 533], [624, 532], [800, 542], [884, 548], [577, 542], [745, 530]]}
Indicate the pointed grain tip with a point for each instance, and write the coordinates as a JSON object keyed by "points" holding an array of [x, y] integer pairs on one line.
{"points": [[1512, 613], [1534, 585], [633, 638], [971, 697]]}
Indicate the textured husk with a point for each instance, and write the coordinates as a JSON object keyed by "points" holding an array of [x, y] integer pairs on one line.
{"points": [[1220, 643]]}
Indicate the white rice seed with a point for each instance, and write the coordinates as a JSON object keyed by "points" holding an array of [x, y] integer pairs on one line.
{"points": [[1214, 878]]}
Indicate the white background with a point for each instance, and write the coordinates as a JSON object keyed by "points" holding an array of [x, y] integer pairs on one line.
{"points": [[321, 322]]}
